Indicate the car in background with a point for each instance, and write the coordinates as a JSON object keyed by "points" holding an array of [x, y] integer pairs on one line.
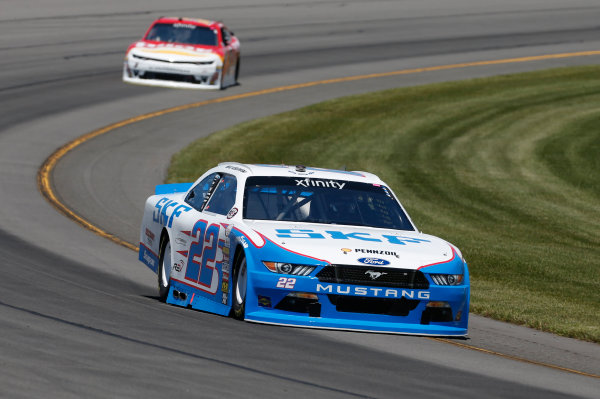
{"points": [[184, 53], [301, 246]]}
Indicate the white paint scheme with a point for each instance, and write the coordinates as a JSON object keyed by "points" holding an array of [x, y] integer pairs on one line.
{"points": [[412, 255], [419, 249]]}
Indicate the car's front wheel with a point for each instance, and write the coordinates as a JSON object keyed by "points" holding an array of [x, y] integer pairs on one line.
{"points": [[164, 268], [222, 79], [240, 285]]}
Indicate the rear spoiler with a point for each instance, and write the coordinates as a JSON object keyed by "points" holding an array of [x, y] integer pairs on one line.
{"points": [[172, 188]]}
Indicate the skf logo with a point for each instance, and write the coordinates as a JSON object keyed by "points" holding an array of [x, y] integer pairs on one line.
{"points": [[374, 275], [346, 250]]}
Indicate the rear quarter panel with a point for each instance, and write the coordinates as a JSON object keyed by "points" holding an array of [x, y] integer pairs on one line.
{"points": [[159, 213]]}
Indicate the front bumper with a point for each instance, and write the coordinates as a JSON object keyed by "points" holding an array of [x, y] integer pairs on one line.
{"points": [[355, 307], [165, 74]]}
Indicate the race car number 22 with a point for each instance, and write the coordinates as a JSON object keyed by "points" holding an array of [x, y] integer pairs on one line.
{"points": [[286, 282], [202, 265]]}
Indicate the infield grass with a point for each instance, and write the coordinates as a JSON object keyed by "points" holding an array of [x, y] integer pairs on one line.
{"points": [[507, 168]]}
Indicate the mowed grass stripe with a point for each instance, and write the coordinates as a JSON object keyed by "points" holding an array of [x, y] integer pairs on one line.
{"points": [[507, 168]]}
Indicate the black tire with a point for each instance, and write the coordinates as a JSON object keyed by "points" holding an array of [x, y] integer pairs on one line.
{"points": [[164, 268], [237, 70], [240, 281], [221, 87]]}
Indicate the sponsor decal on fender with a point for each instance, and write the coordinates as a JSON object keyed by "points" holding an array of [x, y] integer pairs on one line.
{"points": [[181, 241], [232, 212], [178, 266], [149, 237], [148, 258], [264, 301]]}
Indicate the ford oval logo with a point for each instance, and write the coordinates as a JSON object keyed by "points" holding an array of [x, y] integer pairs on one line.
{"points": [[374, 261]]}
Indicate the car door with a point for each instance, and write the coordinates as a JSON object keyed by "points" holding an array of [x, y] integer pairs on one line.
{"points": [[203, 234]]}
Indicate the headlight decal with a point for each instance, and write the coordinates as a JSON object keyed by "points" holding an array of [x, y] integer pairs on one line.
{"points": [[289, 268], [447, 279]]}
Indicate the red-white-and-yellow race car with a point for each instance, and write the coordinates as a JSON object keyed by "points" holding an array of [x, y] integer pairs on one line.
{"points": [[184, 53]]}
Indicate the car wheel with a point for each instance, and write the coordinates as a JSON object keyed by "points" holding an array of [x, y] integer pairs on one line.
{"points": [[237, 71], [164, 269], [239, 291], [221, 86]]}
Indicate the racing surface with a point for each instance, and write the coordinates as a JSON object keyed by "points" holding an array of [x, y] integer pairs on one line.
{"points": [[79, 314]]}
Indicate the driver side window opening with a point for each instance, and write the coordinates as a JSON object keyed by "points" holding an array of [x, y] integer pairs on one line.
{"points": [[198, 196], [226, 36], [223, 196]]}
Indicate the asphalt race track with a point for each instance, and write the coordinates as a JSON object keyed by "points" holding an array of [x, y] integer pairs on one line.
{"points": [[79, 315]]}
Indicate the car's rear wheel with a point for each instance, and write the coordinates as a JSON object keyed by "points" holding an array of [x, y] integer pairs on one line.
{"points": [[239, 291], [237, 70], [164, 268]]}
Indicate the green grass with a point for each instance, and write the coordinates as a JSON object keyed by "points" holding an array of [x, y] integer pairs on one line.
{"points": [[507, 168]]}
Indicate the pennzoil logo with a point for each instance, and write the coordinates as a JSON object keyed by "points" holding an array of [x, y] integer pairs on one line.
{"points": [[346, 250], [377, 252]]}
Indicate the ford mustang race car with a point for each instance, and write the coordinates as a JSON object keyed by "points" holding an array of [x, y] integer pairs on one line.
{"points": [[184, 53], [300, 246]]}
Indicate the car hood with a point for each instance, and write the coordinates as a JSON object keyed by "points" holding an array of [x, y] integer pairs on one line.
{"points": [[353, 245], [174, 52]]}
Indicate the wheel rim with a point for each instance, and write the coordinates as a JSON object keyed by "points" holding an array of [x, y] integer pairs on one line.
{"points": [[240, 285], [166, 266]]}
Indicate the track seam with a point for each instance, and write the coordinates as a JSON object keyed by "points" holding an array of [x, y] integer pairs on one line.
{"points": [[44, 176], [511, 357]]}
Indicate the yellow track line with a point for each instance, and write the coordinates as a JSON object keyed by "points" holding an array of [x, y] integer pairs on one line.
{"points": [[44, 177]]}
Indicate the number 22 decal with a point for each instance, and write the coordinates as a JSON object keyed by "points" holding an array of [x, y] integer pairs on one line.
{"points": [[286, 282], [202, 268]]}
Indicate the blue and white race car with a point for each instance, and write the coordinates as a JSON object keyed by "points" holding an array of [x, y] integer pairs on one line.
{"points": [[300, 246]]}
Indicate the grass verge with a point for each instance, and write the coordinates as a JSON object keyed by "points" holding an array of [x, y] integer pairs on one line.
{"points": [[507, 168]]}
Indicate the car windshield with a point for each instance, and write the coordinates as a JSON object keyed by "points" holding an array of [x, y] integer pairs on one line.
{"points": [[314, 200], [182, 33]]}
